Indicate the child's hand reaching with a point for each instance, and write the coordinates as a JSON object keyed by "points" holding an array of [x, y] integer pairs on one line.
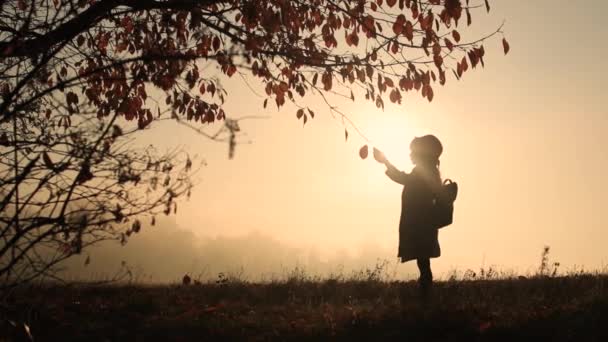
{"points": [[379, 156]]}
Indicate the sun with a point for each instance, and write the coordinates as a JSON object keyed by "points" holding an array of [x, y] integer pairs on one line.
{"points": [[391, 133]]}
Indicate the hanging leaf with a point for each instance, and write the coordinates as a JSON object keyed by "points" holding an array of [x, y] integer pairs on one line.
{"points": [[449, 44], [363, 152], [487, 6], [345, 135], [311, 113], [505, 46], [429, 93]]}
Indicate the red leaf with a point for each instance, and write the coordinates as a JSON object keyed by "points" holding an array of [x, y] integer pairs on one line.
{"points": [[231, 70], [409, 31], [300, 113], [327, 81], [397, 27], [456, 36], [388, 82], [429, 93], [127, 24], [311, 113], [391, 3], [395, 47], [436, 49], [438, 60], [449, 44], [505, 46], [363, 152]]}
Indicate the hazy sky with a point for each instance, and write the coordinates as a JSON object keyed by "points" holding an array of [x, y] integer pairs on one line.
{"points": [[525, 139]]}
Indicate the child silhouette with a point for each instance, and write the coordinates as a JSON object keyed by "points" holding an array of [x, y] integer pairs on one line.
{"points": [[417, 233]]}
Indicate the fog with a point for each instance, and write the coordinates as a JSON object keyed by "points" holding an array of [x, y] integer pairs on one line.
{"points": [[165, 252]]}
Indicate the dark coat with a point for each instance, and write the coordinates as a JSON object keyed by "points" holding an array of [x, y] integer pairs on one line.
{"points": [[417, 234]]}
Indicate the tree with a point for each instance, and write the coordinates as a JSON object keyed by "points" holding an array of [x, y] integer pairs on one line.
{"points": [[68, 185], [117, 58]]}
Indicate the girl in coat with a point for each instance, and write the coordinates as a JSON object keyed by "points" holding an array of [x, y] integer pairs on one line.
{"points": [[417, 233]]}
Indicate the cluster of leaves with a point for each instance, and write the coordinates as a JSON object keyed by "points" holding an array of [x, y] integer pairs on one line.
{"points": [[105, 51]]}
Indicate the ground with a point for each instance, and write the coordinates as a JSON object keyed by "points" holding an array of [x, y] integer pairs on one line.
{"points": [[569, 308]]}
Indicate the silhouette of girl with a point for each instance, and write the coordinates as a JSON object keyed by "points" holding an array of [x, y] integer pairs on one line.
{"points": [[417, 234]]}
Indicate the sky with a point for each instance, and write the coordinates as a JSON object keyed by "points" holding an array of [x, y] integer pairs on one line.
{"points": [[524, 138]]}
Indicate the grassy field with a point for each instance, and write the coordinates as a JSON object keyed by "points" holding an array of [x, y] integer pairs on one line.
{"points": [[568, 308]]}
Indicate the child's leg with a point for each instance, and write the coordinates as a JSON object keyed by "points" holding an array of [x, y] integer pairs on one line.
{"points": [[426, 276]]}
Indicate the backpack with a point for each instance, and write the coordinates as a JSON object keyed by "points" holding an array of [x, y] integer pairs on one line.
{"points": [[443, 210]]}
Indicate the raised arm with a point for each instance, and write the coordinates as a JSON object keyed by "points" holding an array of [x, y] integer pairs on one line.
{"points": [[396, 175], [391, 171]]}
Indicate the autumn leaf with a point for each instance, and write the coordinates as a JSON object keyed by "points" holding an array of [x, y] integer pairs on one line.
{"points": [[327, 81], [311, 113], [395, 47], [409, 31], [449, 44], [363, 152], [505, 46], [438, 60]]}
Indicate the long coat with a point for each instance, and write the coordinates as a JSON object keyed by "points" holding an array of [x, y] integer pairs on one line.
{"points": [[417, 234]]}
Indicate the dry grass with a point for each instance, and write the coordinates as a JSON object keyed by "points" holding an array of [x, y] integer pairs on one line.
{"points": [[566, 308]]}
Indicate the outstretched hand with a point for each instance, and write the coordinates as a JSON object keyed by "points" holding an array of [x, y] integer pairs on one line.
{"points": [[379, 156]]}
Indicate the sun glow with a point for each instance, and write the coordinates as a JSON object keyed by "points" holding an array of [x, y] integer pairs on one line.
{"points": [[392, 133]]}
